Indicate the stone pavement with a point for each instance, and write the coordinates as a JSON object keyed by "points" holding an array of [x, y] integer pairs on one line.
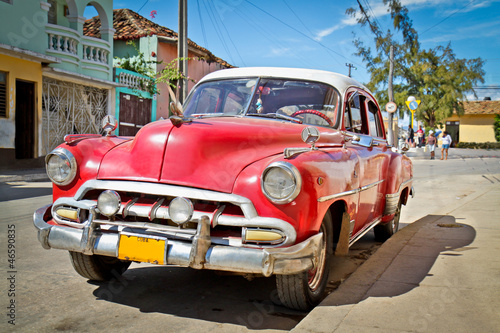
{"points": [[438, 274]]}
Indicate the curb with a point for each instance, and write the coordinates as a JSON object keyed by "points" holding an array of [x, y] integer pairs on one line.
{"points": [[330, 313], [37, 177]]}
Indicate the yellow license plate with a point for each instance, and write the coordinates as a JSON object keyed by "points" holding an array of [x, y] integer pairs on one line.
{"points": [[143, 249]]}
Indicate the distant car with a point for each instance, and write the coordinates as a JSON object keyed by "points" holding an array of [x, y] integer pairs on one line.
{"points": [[267, 171]]}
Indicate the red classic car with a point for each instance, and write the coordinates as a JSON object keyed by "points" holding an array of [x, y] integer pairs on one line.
{"points": [[267, 171]]}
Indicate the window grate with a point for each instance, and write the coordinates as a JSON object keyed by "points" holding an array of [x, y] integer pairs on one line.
{"points": [[3, 95]]}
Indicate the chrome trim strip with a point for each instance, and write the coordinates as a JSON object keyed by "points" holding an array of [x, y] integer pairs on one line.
{"points": [[364, 231], [351, 192]]}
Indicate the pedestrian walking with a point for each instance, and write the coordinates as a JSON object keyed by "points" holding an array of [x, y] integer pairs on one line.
{"points": [[445, 144], [420, 136], [411, 134], [431, 142]]}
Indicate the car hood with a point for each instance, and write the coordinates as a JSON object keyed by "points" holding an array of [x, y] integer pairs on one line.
{"points": [[206, 153]]}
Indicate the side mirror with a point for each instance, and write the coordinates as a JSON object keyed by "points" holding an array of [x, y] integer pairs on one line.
{"points": [[362, 140]]}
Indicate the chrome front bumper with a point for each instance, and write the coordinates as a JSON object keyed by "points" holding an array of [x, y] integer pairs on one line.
{"points": [[199, 253]]}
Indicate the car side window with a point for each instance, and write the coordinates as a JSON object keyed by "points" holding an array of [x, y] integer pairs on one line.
{"points": [[354, 119], [374, 120]]}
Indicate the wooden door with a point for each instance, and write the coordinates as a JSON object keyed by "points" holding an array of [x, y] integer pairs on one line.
{"points": [[25, 120], [135, 112]]}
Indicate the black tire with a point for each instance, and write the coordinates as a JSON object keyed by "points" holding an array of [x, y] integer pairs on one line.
{"points": [[305, 290], [98, 268], [384, 231]]}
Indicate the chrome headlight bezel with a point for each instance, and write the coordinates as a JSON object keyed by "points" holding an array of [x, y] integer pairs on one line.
{"points": [[289, 170], [65, 157]]}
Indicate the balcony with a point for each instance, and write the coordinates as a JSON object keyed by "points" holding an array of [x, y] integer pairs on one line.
{"points": [[80, 54]]}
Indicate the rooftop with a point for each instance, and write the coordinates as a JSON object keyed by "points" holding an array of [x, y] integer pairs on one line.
{"points": [[482, 107]]}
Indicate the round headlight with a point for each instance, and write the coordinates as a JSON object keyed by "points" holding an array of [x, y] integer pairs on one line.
{"points": [[180, 210], [281, 182], [109, 202], [61, 166]]}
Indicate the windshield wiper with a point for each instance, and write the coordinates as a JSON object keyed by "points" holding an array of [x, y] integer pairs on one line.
{"points": [[210, 115], [275, 116]]}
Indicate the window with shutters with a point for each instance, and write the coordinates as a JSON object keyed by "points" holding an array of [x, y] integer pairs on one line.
{"points": [[3, 94]]}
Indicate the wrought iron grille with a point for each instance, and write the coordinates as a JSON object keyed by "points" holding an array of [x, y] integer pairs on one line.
{"points": [[70, 108]]}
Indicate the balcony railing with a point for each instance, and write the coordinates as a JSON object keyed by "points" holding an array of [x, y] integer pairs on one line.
{"points": [[87, 53], [133, 80]]}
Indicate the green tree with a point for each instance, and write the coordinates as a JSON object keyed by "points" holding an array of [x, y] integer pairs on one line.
{"points": [[496, 126], [139, 64], [435, 76]]}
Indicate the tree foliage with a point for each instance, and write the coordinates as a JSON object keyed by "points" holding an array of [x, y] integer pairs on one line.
{"points": [[496, 126], [139, 64], [435, 76]]}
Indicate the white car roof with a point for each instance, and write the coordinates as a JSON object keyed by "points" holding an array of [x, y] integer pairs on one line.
{"points": [[339, 81]]}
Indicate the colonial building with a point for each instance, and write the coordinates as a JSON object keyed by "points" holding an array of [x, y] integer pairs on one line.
{"points": [[54, 80], [476, 124], [134, 107]]}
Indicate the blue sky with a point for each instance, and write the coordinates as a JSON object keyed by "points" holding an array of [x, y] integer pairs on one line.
{"points": [[318, 34]]}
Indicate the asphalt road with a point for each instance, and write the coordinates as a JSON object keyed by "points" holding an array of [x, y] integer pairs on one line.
{"points": [[50, 296]]}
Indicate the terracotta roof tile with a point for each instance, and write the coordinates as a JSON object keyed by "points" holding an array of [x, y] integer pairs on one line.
{"points": [[130, 25], [482, 107]]}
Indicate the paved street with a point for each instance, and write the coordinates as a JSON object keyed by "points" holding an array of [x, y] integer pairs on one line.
{"points": [[50, 296]]}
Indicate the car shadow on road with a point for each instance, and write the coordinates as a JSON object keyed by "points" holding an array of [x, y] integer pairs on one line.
{"points": [[405, 260], [204, 295], [22, 190]]}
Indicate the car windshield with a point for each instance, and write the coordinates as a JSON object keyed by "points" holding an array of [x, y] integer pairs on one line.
{"points": [[295, 100]]}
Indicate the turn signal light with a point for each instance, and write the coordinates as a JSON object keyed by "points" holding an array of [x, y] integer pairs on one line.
{"points": [[262, 236]]}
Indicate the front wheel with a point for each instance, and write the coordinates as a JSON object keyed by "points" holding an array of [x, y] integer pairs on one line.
{"points": [[305, 290], [384, 231], [98, 268]]}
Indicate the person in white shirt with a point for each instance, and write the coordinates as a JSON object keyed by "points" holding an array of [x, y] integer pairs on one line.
{"points": [[445, 144]]}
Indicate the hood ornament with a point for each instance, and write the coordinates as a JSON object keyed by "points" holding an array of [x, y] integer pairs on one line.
{"points": [[310, 135], [177, 121]]}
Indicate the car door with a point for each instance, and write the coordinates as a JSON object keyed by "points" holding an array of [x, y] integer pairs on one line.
{"points": [[366, 139]]}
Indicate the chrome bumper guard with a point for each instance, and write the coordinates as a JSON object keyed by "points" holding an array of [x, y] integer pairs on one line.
{"points": [[199, 254]]}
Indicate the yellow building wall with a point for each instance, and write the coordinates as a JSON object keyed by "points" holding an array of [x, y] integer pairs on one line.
{"points": [[19, 69], [477, 128]]}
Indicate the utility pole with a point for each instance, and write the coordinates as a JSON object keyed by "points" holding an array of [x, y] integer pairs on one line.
{"points": [[390, 133], [350, 66], [182, 50]]}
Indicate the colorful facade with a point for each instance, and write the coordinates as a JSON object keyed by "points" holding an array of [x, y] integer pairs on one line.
{"points": [[55, 79], [158, 44], [476, 124]]}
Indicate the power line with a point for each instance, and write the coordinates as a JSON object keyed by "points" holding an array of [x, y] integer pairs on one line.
{"points": [[142, 6], [300, 32], [447, 17], [212, 18], [298, 18], [229, 36], [270, 36], [202, 25]]}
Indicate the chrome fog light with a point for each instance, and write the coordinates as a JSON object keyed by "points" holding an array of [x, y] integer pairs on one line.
{"points": [[109, 202], [61, 166], [180, 210]]}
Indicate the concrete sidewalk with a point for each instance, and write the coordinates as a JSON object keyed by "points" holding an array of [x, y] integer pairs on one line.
{"points": [[438, 274]]}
